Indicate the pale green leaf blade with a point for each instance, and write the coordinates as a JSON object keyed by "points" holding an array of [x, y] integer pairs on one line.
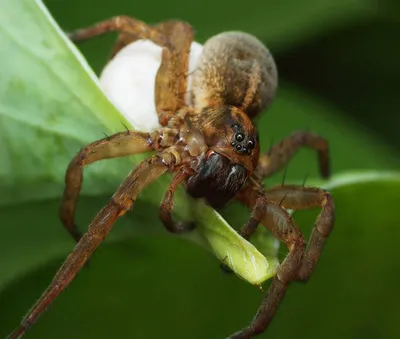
{"points": [[50, 106]]}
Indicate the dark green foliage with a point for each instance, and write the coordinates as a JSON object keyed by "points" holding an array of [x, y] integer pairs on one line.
{"points": [[339, 70]]}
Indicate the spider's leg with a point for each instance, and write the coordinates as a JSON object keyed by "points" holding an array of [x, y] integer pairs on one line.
{"points": [[171, 78], [123, 24], [282, 225], [298, 198], [175, 37], [279, 155], [129, 29], [299, 264], [167, 205], [121, 202], [117, 145]]}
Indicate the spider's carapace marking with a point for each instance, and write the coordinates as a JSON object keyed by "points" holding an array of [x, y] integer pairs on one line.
{"points": [[212, 146]]}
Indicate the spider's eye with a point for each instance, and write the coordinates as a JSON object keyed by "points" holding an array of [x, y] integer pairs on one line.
{"points": [[251, 144], [238, 147], [239, 137]]}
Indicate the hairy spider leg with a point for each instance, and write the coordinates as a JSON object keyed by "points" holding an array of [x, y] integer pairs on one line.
{"points": [[135, 28], [282, 225], [299, 198], [280, 154], [300, 262], [269, 209], [171, 78], [175, 38], [117, 145], [271, 162], [170, 87], [121, 202]]}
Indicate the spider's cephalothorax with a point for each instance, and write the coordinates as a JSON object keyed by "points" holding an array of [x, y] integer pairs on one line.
{"points": [[231, 157], [212, 146]]}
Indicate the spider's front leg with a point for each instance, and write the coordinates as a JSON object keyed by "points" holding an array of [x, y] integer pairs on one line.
{"points": [[300, 263], [121, 202], [117, 145], [170, 86]]}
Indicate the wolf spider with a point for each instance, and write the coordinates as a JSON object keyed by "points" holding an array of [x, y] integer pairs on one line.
{"points": [[212, 146]]}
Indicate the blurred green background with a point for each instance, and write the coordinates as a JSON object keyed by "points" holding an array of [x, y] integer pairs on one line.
{"points": [[339, 68]]}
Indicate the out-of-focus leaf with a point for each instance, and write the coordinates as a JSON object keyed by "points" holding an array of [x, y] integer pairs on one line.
{"points": [[281, 24], [358, 70], [354, 291], [134, 283]]}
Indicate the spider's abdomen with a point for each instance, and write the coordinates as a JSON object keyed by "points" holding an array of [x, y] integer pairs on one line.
{"points": [[235, 69], [217, 180]]}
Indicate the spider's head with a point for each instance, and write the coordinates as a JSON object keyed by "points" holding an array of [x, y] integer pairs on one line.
{"points": [[228, 131], [231, 158]]}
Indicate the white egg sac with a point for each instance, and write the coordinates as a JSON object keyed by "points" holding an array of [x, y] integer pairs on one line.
{"points": [[128, 81]]}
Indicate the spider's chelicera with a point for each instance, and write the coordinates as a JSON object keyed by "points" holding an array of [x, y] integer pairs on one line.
{"points": [[213, 148]]}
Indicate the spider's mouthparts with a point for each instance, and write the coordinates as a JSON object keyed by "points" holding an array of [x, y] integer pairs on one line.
{"points": [[217, 180]]}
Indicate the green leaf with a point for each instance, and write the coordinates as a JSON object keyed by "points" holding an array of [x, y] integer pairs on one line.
{"points": [[132, 283], [50, 99], [369, 93], [50, 106], [354, 291]]}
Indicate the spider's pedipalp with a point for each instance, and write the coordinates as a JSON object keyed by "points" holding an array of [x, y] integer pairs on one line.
{"points": [[167, 205]]}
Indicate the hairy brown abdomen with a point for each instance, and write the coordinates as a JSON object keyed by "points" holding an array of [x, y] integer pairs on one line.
{"points": [[235, 69]]}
